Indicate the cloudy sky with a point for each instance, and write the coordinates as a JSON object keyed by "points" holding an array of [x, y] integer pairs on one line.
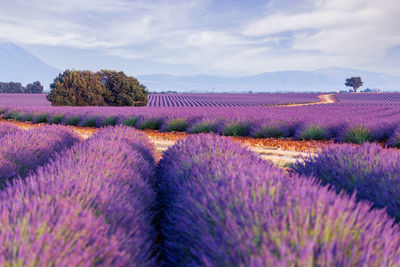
{"points": [[224, 37]]}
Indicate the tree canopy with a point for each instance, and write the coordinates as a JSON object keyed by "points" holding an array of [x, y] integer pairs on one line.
{"points": [[17, 88], [354, 82], [11, 87], [34, 88], [103, 88], [122, 90]]}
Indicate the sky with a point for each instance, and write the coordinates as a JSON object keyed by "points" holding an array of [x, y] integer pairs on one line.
{"points": [[223, 37]]}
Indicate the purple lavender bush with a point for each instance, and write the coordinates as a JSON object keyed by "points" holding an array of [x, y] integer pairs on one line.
{"points": [[14, 115], [110, 179], [394, 140], [311, 131], [7, 128], [339, 120], [55, 231], [237, 128], [221, 205], [151, 124], [206, 125], [370, 171], [175, 125], [24, 151], [138, 141], [357, 134], [270, 129]]}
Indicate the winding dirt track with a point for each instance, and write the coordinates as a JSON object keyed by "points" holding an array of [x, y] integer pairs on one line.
{"points": [[280, 151], [325, 99]]}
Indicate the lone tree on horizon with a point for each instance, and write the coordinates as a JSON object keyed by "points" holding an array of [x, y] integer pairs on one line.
{"points": [[354, 82]]}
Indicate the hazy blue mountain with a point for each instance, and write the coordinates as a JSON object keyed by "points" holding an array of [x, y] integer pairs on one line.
{"points": [[327, 79], [18, 65]]}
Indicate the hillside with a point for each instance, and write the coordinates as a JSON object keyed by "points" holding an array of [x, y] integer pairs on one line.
{"points": [[18, 65]]}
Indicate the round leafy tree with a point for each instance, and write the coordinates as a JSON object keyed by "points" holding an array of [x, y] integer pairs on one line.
{"points": [[122, 90], [103, 88], [34, 88], [76, 88], [354, 82]]}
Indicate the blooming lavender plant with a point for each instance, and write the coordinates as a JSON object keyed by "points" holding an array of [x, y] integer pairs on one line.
{"points": [[311, 131], [270, 129], [370, 171], [207, 125], [394, 140], [379, 116], [110, 179], [237, 128], [55, 231], [357, 134], [138, 141], [7, 128], [24, 151], [221, 205]]}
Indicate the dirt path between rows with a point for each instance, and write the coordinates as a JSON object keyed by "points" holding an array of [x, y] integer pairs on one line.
{"points": [[325, 99], [280, 151]]}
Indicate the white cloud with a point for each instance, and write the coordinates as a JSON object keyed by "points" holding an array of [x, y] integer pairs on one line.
{"points": [[357, 31], [207, 38], [90, 23], [284, 34], [339, 26]]}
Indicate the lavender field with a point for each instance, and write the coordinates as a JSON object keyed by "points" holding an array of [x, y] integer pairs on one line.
{"points": [[209, 202], [229, 100], [353, 118], [185, 100], [204, 133]]}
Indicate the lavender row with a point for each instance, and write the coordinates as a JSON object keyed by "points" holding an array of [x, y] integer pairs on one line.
{"points": [[369, 98], [184, 100], [229, 100], [21, 152], [24, 100], [221, 205], [348, 124], [91, 206], [8, 128], [369, 171], [55, 231]]}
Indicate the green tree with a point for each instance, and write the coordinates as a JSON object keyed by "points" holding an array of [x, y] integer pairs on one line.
{"points": [[11, 88], [77, 88], [122, 90], [354, 82], [106, 87], [34, 88]]}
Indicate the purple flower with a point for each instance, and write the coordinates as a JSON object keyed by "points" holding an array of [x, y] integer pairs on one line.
{"points": [[370, 171], [107, 181], [221, 205]]}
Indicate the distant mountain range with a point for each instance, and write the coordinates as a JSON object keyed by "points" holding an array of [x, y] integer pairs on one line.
{"points": [[327, 79], [18, 65]]}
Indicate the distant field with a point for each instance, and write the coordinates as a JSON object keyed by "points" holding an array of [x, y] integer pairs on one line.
{"points": [[185, 100], [229, 100], [371, 116], [369, 99], [24, 100]]}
